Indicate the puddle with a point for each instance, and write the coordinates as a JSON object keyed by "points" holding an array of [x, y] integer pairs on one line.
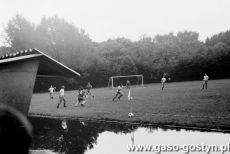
{"points": [[87, 137]]}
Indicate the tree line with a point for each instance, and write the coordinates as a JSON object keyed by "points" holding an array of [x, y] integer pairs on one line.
{"points": [[181, 56]]}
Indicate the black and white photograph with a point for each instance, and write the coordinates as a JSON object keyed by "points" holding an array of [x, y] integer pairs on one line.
{"points": [[114, 76]]}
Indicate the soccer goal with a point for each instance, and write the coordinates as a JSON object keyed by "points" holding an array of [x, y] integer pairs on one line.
{"points": [[135, 80]]}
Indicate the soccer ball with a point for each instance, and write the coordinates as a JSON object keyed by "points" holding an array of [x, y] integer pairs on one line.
{"points": [[130, 114]]}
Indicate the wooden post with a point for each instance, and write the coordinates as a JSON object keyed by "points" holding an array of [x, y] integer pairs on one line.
{"points": [[112, 82], [142, 82]]}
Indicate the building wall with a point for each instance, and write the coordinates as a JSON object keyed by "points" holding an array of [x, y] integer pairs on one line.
{"points": [[16, 84]]}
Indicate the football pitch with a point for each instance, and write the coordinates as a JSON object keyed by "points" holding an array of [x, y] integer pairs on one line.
{"points": [[182, 104]]}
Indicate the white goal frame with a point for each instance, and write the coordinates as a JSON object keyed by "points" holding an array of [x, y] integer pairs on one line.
{"points": [[126, 76]]}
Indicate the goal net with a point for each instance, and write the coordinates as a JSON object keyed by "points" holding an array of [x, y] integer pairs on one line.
{"points": [[135, 80]]}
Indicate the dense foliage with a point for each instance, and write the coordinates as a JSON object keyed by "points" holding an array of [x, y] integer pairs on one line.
{"points": [[181, 56]]}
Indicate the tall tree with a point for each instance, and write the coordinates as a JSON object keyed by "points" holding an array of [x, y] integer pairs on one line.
{"points": [[20, 33]]}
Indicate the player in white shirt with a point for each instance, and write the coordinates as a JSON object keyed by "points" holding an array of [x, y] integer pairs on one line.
{"points": [[62, 96], [163, 80], [51, 90], [205, 79], [119, 93]]}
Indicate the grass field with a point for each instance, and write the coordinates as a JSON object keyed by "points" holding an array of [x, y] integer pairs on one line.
{"points": [[180, 104]]}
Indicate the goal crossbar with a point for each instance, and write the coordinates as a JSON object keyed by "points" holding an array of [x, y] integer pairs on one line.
{"points": [[125, 76]]}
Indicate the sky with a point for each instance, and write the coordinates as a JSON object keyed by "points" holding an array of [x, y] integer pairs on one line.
{"points": [[104, 19]]}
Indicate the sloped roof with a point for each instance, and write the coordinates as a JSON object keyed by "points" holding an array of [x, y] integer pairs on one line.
{"points": [[47, 67]]}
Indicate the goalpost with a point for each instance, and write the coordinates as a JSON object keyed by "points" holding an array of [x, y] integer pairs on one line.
{"points": [[134, 80]]}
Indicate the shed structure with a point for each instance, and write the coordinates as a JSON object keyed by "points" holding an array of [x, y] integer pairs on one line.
{"points": [[18, 72]]}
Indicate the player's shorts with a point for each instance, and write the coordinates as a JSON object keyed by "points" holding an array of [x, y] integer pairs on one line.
{"points": [[80, 99], [61, 98], [119, 93]]}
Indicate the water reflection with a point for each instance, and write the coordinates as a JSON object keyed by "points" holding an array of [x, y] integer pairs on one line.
{"points": [[74, 139], [85, 137]]}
